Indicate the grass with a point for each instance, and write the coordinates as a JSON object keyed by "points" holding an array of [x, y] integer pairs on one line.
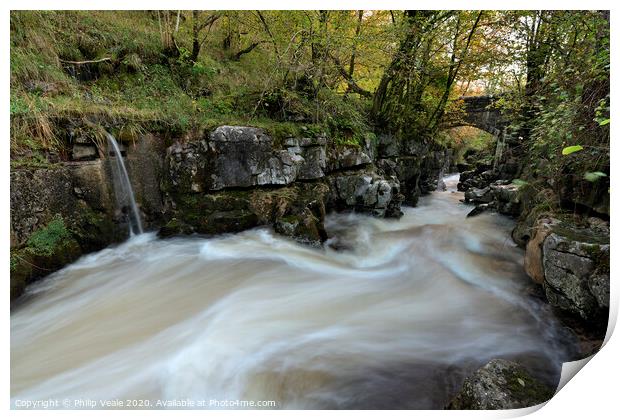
{"points": [[142, 90]]}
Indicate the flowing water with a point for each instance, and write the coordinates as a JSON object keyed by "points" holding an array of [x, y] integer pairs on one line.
{"points": [[391, 314], [122, 189]]}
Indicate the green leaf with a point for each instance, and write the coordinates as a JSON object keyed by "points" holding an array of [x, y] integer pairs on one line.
{"points": [[519, 182], [604, 122], [593, 176], [571, 149]]}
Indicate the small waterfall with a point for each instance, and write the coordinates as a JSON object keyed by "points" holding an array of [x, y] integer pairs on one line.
{"points": [[122, 189]]}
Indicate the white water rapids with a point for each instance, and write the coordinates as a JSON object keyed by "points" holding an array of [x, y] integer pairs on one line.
{"points": [[395, 318]]}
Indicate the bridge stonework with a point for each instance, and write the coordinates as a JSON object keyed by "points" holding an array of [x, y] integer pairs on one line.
{"points": [[480, 113]]}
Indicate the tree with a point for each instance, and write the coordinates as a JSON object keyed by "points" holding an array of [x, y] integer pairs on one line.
{"points": [[201, 21]]}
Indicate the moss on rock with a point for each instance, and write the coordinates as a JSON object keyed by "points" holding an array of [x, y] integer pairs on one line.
{"points": [[47, 250], [500, 385]]}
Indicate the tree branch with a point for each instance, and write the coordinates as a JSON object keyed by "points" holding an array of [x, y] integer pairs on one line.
{"points": [[86, 61], [353, 86], [273, 40], [253, 45]]}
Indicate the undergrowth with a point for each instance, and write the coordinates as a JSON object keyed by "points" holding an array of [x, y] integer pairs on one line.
{"points": [[139, 88]]}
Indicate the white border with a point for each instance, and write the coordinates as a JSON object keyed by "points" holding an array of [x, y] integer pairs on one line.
{"points": [[592, 395]]}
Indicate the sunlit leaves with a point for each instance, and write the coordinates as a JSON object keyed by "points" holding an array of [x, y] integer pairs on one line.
{"points": [[571, 149], [594, 176]]}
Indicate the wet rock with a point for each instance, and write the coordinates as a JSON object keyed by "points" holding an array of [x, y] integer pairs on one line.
{"points": [[576, 269], [75, 192], [508, 169], [524, 229], [407, 171], [174, 227], [463, 167], [365, 191], [297, 210], [588, 197], [479, 209], [432, 165], [185, 167], [145, 164], [479, 178], [312, 150], [81, 194], [306, 227], [234, 220], [507, 197], [415, 146], [500, 385], [479, 195], [389, 146], [84, 152], [235, 157], [346, 157]]}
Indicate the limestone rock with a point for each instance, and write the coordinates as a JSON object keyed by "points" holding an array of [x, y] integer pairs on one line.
{"points": [[389, 146], [479, 195], [500, 385], [84, 152], [407, 171], [346, 157], [244, 157], [507, 197], [234, 157], [576, 268], [296, 210], [365, 191], [312, 150]]}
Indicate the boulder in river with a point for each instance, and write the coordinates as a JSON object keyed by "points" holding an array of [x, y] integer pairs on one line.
{"points": [[506, 197], [479, 195], [500, 385], [365, 191]]}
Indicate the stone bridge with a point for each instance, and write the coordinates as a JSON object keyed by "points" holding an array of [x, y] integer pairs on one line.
{"points": [[480, 113]]}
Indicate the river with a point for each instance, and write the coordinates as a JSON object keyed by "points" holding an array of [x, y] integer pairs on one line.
{"points": [[389, 314]]}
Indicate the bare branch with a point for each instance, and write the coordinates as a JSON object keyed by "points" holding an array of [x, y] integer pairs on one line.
{"points": [[86, 61]]}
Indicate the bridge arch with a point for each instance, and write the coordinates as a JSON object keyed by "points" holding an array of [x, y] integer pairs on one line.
{"points": [[480, 113]]}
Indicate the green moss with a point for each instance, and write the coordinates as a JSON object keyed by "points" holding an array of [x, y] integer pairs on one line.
{"points": [[524, 388], [175, 227], [47, 250], [580, 235], [45, 241], [600, 258]]}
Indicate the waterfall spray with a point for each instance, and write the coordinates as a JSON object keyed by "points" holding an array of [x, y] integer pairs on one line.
{"points": [[123, 191]]}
